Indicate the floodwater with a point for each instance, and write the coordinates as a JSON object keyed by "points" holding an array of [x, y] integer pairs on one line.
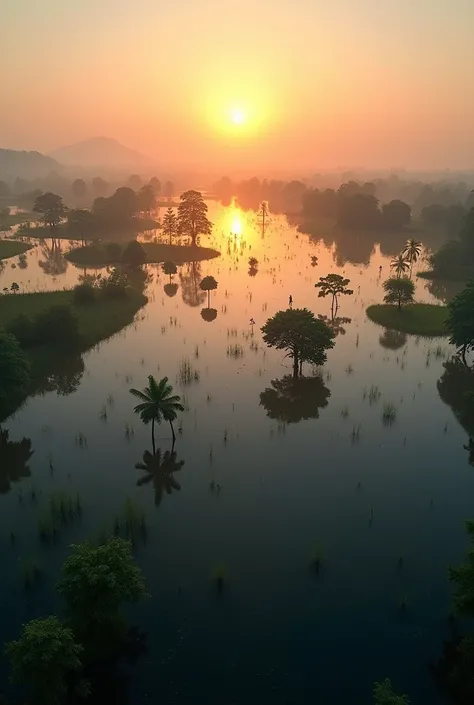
{"points": [[264, 486]]}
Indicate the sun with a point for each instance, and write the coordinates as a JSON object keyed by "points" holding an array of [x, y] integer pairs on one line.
{"points": [[238, 117]]}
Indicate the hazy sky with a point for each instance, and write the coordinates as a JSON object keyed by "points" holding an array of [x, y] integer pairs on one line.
{"points": [[319, 83]]}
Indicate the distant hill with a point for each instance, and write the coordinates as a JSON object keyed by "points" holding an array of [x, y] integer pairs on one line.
{"points": [[26, 165], [99, 152]]}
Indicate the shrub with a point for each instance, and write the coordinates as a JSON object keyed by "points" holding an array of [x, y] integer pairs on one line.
{"points": [[114, 251], [59, 324], [115, 285], [84, 293], [23, 328], [134, 254], [14, 368]]}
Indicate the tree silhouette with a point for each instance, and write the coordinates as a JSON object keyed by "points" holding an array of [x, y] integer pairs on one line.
{"points": [[99, 187], [400, 264], [208, 284], [192, 216], [209, 314], [160, 470], [79, 188], [456, 389], [169, 268], [157, 403], [15, 288], [54, 262], [155, 184], [412, 251], [304, 337], [393, 339], [333, 285], [134, 255], [52, 209], [14, 457], [263, 213], [291, 400], [399, 290], [460, 323], [80, 221], [146, 199], [170, 289], [396, 215], [170, 224]]}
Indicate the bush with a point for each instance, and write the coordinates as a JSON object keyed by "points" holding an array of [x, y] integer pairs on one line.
{"points": [[23, 328], [115, 285], [134, 254], [14, 368], [57, 325], [84, 293]]}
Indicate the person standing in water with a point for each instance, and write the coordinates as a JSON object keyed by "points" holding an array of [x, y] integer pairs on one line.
{"points": [[290, 301]]}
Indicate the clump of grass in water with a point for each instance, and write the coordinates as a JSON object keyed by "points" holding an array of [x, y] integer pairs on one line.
{"points": [[129, 432], [131, 522], [389, 413], [103, 413], [236, 350], [344, 412], [63, 510], [81, 440], [219, 577], [110, 400], [196, 352], [187, 374], [373, 394], [355, 433], [349, 369]]}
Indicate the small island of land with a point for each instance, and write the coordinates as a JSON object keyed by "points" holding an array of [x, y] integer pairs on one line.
{"points": [[416, 319], [11, 248], [103, 254]]}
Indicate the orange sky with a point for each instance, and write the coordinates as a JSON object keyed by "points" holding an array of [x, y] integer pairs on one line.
{"points": [[376, 83]]}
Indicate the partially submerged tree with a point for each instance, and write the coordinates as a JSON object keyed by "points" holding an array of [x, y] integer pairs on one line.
{"points": [[460, 323], [14, 368], [157, 404], [208, 284], [399, 290], [192, 216], [304, 337], [170, 225], [43, 657], [333, 285], [97, 580]]}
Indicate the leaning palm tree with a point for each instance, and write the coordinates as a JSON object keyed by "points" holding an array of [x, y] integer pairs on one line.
{"points": [[400, 264], [157, 403], [160, 470], [412, 251]]}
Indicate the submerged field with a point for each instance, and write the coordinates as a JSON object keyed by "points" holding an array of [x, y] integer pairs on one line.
{"points": [[322, 472]]}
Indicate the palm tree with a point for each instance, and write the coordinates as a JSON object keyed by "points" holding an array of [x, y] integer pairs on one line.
{"points": [[412, 251], [263, 212], [160, 470], [157, 403], [400, 264]]}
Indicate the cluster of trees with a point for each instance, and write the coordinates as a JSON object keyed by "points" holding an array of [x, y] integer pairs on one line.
{"points": [[455, 256]]}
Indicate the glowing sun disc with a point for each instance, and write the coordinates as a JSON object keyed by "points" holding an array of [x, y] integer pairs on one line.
{"points": [[238, 117]]}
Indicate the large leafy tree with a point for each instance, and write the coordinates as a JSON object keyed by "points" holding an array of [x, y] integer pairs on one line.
{"points": [[51, 208], [333, 285], [157, 404], [79, 188], [304, 337], [290, 400], [411, 252], [396, 215], [14, 369], [97, 580], [192, 216], [43, 657], [80, 221], [14, 457], [385, 695], [460, 323], [170, 224], [134, 255], [400, 264], [160, 470], [399, 290], [208, 284]]}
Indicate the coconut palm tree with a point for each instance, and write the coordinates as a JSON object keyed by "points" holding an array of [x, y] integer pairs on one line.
{"points": [[400, 264], [160, 470], [157, 403], [412, 251]]}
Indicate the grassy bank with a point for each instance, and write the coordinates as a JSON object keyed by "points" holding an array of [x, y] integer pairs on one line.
{"points": [[97, 322], [120, 231], [455, 274], [11, 248], [417, 319], [98, 255]]}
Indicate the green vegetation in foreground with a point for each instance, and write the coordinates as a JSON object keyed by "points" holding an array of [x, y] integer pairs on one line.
{"points": [[11, 248], [417, 319], [102, 255]]}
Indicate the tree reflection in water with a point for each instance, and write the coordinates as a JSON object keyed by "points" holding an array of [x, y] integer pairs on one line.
{"points": [[292, 400], [14, 456], [336, 324], [54, 262], [160, 470], [65, 377], [190, 280], [393, 339], [456, 389], [209, 314], [170, 289]]}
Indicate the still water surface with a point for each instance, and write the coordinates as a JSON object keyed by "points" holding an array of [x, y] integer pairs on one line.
{"points": [[338, 481]]}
